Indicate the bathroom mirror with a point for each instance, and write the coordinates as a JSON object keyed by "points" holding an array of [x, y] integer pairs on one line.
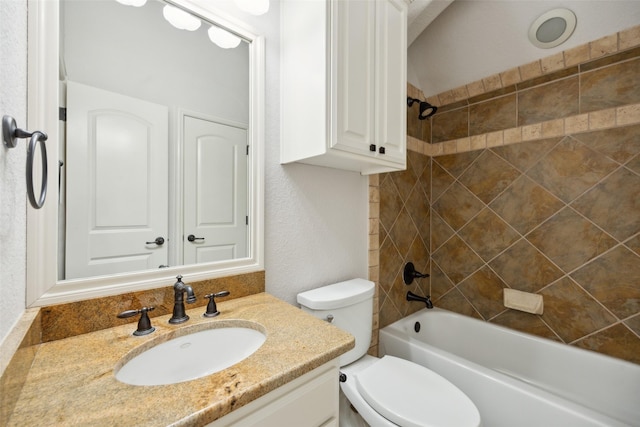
{"points": [[159, 146]]}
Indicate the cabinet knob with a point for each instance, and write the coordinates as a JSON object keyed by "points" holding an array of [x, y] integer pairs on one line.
{"points": [[372, 147], [381, 150]]}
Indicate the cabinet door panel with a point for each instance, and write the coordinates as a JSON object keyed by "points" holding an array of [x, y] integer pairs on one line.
{"points": [[391, 88], [354, 88]]}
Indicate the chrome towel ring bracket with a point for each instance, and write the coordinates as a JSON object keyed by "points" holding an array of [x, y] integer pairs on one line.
{"points": [[10, 135]]}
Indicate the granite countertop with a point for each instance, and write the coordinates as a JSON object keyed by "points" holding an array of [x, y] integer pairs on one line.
{"points": [[72, 383]]}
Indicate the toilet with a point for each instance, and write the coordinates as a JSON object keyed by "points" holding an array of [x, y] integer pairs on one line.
{"points": [[386, 391]]}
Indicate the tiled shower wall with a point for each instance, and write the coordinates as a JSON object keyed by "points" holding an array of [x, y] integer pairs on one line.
{"points": [[558, 216]]}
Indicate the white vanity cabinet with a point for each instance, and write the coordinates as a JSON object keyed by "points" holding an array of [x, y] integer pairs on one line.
{"points": [[343, 69], [308, 401]]}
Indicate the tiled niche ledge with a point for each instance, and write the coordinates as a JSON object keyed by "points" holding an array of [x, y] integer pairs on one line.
{"points": [[596, 120], [595, 49]]}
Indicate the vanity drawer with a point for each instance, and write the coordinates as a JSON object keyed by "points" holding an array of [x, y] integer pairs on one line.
{"points": [[308, 401]]}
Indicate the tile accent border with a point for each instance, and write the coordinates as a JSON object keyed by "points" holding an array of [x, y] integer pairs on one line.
{"points": [[596, 120]]}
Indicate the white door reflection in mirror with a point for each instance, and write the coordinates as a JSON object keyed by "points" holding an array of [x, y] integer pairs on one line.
{"points": [[215, 191], [117, 183]]}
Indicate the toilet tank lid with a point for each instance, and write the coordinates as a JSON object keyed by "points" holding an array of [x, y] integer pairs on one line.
{"points": [[337, 295]]}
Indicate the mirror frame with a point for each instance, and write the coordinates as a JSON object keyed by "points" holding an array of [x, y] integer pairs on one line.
{"points": [[43, 288]]}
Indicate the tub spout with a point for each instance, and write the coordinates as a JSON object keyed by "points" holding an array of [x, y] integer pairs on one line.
{"points": [[413, 297]]}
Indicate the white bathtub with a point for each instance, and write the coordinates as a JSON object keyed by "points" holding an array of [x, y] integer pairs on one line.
{"points": [[516, 379]]}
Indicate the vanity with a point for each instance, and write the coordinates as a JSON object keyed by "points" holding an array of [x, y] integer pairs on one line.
{"points": [[292, 376]]}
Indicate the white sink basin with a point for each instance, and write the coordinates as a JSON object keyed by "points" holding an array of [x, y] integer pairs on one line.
{"points": [[194, 355]]}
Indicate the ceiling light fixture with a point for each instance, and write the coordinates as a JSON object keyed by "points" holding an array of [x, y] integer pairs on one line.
{"points": [[552, 28], [254, 7], [180, 19], [223, 38], [135, 3]]}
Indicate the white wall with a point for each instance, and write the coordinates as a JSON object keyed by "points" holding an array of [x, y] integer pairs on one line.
{"points": [[316, 218], [13, 101]]}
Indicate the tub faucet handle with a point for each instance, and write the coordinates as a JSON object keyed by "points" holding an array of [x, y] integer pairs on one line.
{"points": [[212, 309], [411, 273], [144, 323]]}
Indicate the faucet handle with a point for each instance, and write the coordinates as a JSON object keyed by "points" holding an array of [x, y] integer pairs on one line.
{"points": [[144, 324], [212, 310]]}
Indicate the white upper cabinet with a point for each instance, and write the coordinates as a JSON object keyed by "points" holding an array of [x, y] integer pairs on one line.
{"points": [[344, 84]]}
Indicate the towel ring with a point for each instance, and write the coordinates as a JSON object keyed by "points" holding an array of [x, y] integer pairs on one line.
{"points": [[10, 134]]}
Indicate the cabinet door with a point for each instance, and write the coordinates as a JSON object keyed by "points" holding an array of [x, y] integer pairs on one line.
{"points": [[391, 87], [353, 61]]}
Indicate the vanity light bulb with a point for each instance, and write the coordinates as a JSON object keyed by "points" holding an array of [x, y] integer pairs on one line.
{"points": [[180, 19], [135, 3], [223, 38], [254, 7]]}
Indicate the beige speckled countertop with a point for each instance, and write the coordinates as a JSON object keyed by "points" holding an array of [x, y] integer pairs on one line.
{"points": [[72, 383]]}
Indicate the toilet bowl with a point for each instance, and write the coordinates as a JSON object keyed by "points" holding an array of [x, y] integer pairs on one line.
{"points": [[386, 391]]}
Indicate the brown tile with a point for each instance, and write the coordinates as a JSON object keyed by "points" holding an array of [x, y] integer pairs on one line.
{"points": [[492, 94], [456, 302], [614, 204], [633, 323], [419, 162], [488, 176], [456, 164], [488, 235], [525, 322], [484, 290], [389, 313], [629, 38], [390, 202], [634, 244], [525, 155], [425, 128], [569, 240], [424, 180], [546, 78], [609, 60], [403, 232], [453, 105], [611, 86], [440, 231], [570, 169], [405, 180], [440, 283], [525, 204], [456, 259], [391, 263], [457, 206], [620, 143], [414, 125], [614, 280], [617, 341], [419, 255], [548, 102], [419, 211], [450, 125], [634, 164], [496, 114], [441, 180], [524, 268], [571, 312]]}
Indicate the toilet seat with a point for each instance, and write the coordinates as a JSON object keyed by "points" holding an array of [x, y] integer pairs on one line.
{"points": [[411, 395]]}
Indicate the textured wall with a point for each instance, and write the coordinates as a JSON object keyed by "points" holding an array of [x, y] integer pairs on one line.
{"points": [[13, 101]]}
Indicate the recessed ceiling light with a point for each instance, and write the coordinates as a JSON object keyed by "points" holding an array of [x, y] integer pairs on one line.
{"points": [[552, 28]]}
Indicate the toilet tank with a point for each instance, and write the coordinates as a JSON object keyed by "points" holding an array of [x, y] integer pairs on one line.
{"points": [[350, 305]]}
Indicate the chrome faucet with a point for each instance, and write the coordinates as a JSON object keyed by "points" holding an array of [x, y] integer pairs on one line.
{"points": [[179, 288]]}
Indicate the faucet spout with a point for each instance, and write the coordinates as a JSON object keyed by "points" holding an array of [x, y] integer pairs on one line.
{"points": [[179, 313], [413, 297]]}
